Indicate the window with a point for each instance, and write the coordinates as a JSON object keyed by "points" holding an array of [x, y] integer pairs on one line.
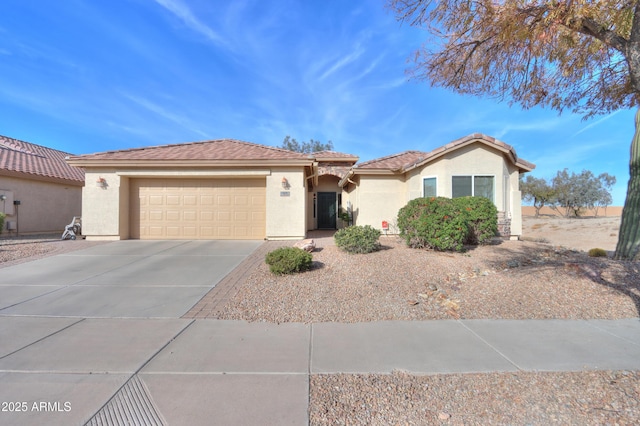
{"points": [[479, 186], [461, 186], [429, 187]]}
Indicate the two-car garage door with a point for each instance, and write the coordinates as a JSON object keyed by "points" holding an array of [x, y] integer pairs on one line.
{"points": [[198, 208]]}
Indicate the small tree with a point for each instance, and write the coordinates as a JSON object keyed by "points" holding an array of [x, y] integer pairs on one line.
{"points": [[576, 192], [305, 147], [538, 191], [604, 198]]}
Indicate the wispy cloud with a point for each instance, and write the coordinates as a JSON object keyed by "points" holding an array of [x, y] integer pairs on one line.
{"points": [[164, 113], [530, 126], [183, 12], [595, 123], [351, 57], [573, 157]]}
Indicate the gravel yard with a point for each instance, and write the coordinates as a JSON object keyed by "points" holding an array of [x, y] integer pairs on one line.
{"points": [[510, 280], [14, 250], [580, 398]]}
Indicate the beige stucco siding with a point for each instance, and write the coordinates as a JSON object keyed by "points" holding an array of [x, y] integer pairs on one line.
{"points": [[44, 206], [378, 198], [475, 159], [102, 205], [286, 207]]}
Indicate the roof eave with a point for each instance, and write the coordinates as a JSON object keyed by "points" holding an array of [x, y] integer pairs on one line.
{"points": [[80, 162], [337, 159], [41, 178], [525, 166]]}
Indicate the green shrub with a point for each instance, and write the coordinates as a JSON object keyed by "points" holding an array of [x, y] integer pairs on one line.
{"points": [[434, 223], [2, 216], [288, 260], [481, 216], [358, 239], [597, 252]]}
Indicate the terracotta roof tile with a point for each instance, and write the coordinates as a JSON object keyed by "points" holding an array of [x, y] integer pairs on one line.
{"points": [[319, 155], [393, 162], [404, 161], [222, 149], [23, 158], [339, 171]]}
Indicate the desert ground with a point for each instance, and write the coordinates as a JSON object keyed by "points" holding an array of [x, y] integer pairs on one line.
{"points": [[577, 233]]}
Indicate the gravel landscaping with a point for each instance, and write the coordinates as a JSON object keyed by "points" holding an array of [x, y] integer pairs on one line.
{"points": [[580, 398], [14, 250], [507, 280]]}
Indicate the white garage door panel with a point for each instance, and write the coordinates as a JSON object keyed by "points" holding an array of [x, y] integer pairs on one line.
{"points": [[198, 208]]}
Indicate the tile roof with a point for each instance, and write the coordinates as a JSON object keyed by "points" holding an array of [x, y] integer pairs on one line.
{"points": [[339, 171], [407, 160], [222, 149], [395, 162], [333, 155], [19, 158]]}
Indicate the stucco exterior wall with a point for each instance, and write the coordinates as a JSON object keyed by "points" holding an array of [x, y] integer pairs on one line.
{"points": [[286, 207], [474, 159], [377, 199], [45, 207], [101, 205]]}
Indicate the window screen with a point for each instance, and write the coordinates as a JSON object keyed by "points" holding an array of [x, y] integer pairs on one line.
{"points": [[483, 186], [461, 186], [479, 186], [429, 187]]}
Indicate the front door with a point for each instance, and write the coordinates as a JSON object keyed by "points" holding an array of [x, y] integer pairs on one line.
{"points": [[327, 210]]}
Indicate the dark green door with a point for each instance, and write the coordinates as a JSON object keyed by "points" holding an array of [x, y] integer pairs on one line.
{"points": [[327, 210]]}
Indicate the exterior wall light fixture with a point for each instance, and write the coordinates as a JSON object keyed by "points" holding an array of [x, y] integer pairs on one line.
{"points": [[285, 183], [101, 183]]}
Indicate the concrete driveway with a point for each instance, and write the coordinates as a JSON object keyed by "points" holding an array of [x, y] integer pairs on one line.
{"points": [[122, 279]]}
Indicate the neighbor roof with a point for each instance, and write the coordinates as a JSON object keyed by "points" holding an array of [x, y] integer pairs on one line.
{"points": [[24, 159], [223, 150], [408, 160]]}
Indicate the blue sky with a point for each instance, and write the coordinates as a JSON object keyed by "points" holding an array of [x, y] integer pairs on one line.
{"points": [[86, 76]]}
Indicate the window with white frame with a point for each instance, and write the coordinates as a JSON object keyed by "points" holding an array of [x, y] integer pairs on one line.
{"points": [[474, 185], [429, 187]]}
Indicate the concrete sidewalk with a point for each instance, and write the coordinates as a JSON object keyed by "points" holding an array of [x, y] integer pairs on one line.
{"points": [[183, 371]]}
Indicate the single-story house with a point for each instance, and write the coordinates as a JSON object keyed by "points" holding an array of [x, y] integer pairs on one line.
{"points": [[39, 191], [228, 189]]}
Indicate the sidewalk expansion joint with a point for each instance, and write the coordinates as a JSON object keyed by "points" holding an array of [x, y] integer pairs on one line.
{"points": [[42, 338], [496, 350]]}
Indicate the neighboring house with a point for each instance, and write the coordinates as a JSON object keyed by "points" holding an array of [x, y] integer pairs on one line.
{"points": [[227, 189], [42, 193]]}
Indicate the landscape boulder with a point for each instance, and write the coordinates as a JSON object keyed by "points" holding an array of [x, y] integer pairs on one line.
{"points": [[306, 245]]}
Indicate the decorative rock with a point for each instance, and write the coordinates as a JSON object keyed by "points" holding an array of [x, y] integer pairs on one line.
{"points": [[306, 245]]}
